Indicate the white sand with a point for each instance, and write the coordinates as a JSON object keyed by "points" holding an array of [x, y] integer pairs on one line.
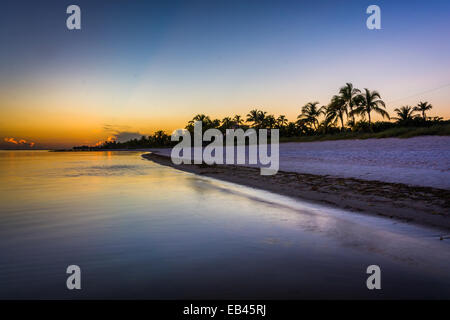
{"points": [[419, 161]]}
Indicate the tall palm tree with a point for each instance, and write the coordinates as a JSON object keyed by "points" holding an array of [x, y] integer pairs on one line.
{"points": [[257, 117], [310, 114], [404, 114], [206, 122], [269, 121], [262, 118], [336, 110], [422, 107], [213, 124], [370, 101], [238, 120], [227, 123], [348, 94], [282, 121], [201, 117], [327, 124], [252, 116]]}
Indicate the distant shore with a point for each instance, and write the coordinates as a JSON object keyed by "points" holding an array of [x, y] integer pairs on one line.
{"points": [[421, 205]]}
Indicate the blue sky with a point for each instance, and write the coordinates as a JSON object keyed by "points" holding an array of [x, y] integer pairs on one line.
{"points": [[147, 65]]}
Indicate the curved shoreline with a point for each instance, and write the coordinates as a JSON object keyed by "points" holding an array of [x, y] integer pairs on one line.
{"points": [[422, 205]]}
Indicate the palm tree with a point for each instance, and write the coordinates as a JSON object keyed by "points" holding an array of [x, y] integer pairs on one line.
{"points": [[422, 107], [336, 110], [252, 116], [257, 117], [206, 122], [161, 137], [348, 94], [292, 129], [327, 123], [282, 121], [404, 114], [310, 114], [370, 101], [269, 121], [227, 123], [238, 120], [213, 124], [201, 117], [261, 118]]}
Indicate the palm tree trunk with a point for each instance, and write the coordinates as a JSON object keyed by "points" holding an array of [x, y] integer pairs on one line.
{"points": [[353, 116]]}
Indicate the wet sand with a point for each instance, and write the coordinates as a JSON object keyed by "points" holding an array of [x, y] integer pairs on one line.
{"points": [[422, 205]]}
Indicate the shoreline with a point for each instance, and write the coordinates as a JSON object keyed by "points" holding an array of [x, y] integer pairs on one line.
{"points": [[421, 205]]}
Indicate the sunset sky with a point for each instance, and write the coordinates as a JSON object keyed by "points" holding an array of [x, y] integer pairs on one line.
{"points": [[138, 66]]}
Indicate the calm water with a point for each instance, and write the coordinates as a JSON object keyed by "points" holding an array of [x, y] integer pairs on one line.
{"points": [[140, 230]]}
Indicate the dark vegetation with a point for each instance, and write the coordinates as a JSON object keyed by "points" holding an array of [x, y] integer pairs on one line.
{"points": [[347, 116]]}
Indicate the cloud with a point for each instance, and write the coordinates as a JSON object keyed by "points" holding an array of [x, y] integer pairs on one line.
{"points": [[120, 136], [119, 133], [126, 135], [115, 127], [19, 142], [11, 140]]}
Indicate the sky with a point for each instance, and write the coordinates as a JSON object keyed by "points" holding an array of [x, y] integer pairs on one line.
{"points": [[139, 66]]}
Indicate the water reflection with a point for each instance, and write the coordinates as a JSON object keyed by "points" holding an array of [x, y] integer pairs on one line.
{"points": [[140, 230]]}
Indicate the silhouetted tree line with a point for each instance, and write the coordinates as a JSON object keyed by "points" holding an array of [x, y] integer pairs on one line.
{"points": [[351, 110]]}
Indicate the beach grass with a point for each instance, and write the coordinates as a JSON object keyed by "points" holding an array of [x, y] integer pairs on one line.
{"points": [[398, 132]]}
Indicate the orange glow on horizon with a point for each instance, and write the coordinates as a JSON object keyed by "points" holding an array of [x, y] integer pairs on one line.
{"points": [[54, 116]]}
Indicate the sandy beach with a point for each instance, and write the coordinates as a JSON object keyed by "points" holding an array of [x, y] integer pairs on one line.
{"points": [[419, 161], [424, 205]]}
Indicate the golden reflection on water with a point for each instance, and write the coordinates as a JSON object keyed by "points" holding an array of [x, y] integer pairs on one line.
{"points": [[116, 214]]}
